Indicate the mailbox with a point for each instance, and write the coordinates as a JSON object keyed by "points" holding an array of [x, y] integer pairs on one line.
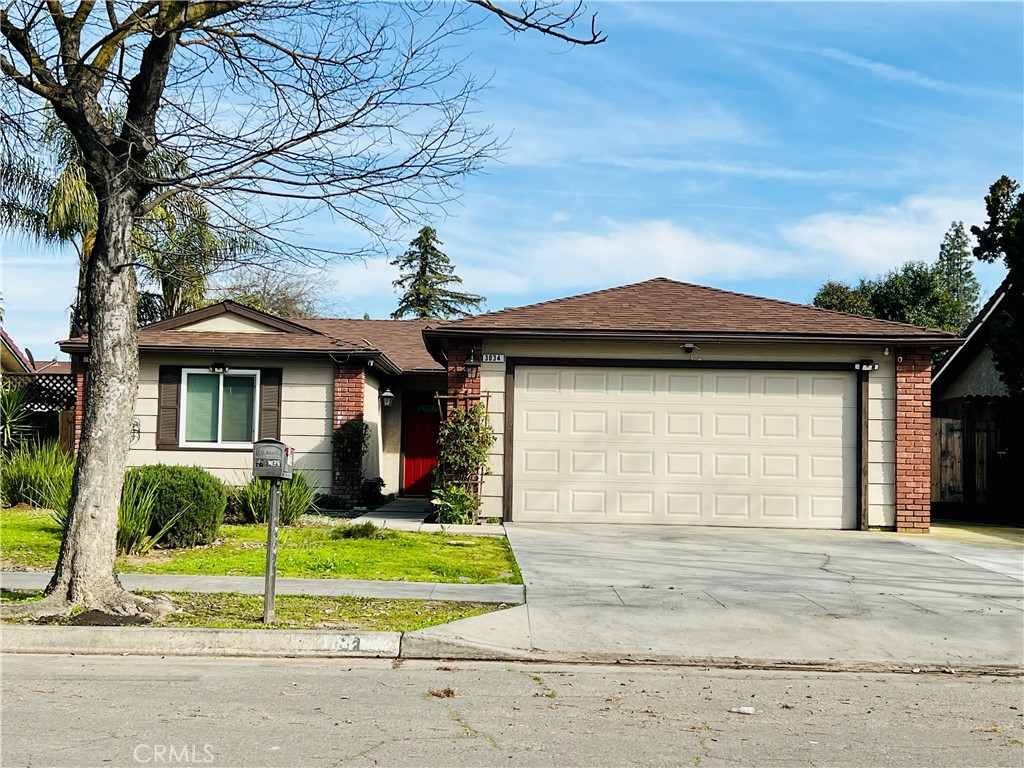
{"points": [[272, 459]]}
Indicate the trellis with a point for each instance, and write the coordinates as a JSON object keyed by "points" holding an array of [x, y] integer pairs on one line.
{"points": [[45, 392]]}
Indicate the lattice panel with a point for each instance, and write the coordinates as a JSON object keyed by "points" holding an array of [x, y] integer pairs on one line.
{"points": [[45, 391]]}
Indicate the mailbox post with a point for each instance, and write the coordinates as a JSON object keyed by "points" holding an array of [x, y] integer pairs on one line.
{"points": [[271, 460]]}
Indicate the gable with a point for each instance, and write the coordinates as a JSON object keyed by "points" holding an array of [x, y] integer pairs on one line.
{"points": [[229, 323]]}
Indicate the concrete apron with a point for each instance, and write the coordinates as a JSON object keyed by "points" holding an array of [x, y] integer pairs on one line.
{"points": [[735, 597]]}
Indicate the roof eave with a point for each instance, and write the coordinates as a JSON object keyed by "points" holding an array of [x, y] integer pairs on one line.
{"points": [[380, 360], [922, 340]]}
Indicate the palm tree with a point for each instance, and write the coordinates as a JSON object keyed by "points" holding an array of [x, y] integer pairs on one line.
{"points": [[50, 201], [177, 246]]}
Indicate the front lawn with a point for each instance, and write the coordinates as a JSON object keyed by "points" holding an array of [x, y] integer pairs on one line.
{"points": [[30, 539], [234, 611]]}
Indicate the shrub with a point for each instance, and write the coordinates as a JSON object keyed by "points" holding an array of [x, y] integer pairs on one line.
{"points": [[15, 419], [464, 441], [364, 530], [135, 516], [39, 474], [190, 499], [328, 501], [298, 496], [456, 505], [370, 494]]}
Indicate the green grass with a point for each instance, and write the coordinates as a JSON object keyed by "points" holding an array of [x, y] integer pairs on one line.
{"points": [[233, 611], [28, 538]]}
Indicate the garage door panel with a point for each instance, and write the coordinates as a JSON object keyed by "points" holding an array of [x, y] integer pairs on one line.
{"points": [[663, 446]]}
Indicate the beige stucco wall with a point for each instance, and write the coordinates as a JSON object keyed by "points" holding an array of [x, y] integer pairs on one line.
{"points": [[384, 452], [305, 419], [881, 399]]}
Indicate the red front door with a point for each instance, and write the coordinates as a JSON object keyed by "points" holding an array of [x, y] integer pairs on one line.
{"points": [[421, 422]]}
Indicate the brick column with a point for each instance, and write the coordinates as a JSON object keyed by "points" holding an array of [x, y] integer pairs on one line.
{"points": [[458, 384], [78, 368], [913, 440], [349, 388]]}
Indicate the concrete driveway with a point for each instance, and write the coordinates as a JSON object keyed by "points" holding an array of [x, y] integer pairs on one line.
{"points": [[821, 597]]}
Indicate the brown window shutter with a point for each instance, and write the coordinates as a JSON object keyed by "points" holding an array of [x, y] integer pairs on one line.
{"points": [[270, 402], [167, 407]]}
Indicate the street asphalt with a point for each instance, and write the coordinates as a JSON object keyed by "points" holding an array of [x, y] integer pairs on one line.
{"points": [[116, 711]]}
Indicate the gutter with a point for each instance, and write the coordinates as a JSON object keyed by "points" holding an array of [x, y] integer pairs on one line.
{"points": [[933, 341]]}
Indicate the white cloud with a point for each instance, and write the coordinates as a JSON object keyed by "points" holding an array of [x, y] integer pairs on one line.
{"points": [[618, 252], [848, 245], [912, 77]]}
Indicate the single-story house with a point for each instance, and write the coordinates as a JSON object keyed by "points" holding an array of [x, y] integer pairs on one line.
{"points": [[976, 430], [658, 402]]}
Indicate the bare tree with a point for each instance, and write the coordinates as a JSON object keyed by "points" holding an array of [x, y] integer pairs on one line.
{"points": [[279, 107], [276, 291]]}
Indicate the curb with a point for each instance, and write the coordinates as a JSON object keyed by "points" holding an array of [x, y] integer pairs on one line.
{"points": [[159, 641], [273, 643]]}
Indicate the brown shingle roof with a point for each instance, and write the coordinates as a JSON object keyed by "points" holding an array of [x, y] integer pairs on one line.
{"points": [[668, 306], [400, 340]]}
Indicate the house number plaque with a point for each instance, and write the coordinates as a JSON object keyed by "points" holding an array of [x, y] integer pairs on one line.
{"points": [[493, 358]]}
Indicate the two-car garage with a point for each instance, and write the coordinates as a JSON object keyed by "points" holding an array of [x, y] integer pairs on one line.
{"points": [[672, 445], [664, 402]]}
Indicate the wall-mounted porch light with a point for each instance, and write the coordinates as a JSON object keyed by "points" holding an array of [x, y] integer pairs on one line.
{"points": [[865, 365], [387, 397], [472, 367], [219, 368]]}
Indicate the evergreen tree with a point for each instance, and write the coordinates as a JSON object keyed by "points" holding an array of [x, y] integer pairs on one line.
{"points": [[426, 274], [956, 271], [1002, 237]]}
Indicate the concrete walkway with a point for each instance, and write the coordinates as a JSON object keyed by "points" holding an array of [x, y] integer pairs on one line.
{"points": [[407, 515], [253, 585]]}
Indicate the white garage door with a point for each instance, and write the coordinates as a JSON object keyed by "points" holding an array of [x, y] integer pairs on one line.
{"points": [[709, 447]]}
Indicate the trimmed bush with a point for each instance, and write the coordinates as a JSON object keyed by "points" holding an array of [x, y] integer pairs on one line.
{"points": [[39, 475], [298, 496], [191, 493]]}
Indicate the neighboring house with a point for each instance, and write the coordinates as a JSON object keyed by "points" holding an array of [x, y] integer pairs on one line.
{"points": [[48, 390], [213, 380], [12, 359], [976, 430], [659, 402]]}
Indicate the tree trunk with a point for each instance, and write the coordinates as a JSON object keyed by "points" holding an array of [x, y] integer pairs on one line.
{"points": [[85, 574]]}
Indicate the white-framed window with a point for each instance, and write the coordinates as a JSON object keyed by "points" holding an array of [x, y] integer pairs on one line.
{"points": [[219, 409]]}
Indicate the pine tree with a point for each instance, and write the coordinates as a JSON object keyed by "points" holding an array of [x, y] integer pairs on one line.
{"points": [[955, 269], [426, 274]]}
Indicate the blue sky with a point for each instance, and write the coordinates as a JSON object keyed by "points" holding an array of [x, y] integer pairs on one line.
{"points": [[757, 147]]}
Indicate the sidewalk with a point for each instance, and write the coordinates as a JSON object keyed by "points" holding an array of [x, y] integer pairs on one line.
{"points": [[253, 585], [407, 515]]}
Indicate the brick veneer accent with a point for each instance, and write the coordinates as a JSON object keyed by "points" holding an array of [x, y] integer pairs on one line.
{"points": [[349, 383], [78, 368], [913, 440], [458, 351]]}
